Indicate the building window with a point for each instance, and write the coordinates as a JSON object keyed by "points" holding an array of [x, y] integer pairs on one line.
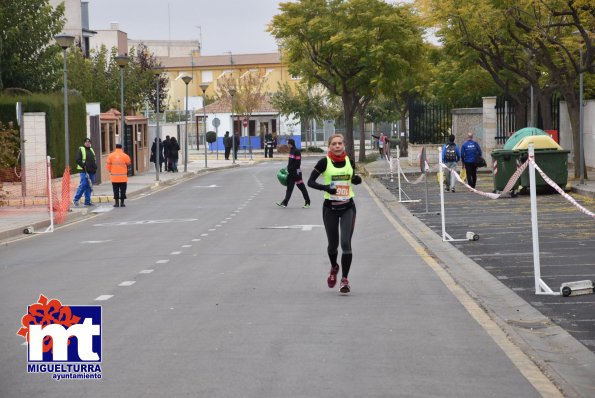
{"points": [[207, 76]]}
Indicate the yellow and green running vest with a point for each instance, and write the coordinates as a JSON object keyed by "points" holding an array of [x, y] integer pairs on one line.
{"points": [[340, 179], [84, 152]]}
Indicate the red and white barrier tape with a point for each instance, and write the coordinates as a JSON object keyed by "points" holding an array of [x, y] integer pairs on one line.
{"points": [[561, 191]]}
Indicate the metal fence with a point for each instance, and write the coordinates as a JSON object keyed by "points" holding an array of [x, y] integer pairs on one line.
{"points": [[429, 122]]}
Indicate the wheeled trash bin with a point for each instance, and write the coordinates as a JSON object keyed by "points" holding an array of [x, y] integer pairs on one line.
{"points": [[549, 156], [504, 165]]}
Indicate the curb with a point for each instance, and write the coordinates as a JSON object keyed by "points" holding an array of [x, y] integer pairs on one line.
{"points": [[564, 360], [582, 191]]}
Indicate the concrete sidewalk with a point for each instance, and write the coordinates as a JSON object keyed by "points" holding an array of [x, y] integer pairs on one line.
{"points": [[551, 345]]}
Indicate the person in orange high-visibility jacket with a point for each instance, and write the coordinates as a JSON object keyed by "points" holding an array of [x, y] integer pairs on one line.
{"points": [[117, 165]]}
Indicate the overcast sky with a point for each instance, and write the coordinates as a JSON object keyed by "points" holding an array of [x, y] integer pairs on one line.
{"points": [[227, 25]]}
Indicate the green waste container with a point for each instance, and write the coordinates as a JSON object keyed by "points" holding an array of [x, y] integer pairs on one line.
{"points": [[504, 166], [553, 162]]}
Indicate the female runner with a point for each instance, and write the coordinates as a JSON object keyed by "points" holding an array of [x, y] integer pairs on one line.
{"points": [[338, 210]]}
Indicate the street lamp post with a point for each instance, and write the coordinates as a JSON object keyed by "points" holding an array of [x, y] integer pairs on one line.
{"points": [[232, 92], [581, 121], [157, 73], [65, 41], [122, 61], [187, 79], [203, 87]]}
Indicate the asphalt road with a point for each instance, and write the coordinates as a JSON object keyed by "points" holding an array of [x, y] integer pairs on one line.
{"points": [[566, 239], [210, 290]]}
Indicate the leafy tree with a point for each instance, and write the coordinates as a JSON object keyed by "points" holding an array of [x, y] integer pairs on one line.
{"points": [[524, 43], [146, 61], [351, 47], [97, 78], [305, 104], [250, 92], [28, 59]]}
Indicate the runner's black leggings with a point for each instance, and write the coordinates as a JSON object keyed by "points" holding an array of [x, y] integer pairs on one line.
{"points": [[339, 223], [293, 180]]}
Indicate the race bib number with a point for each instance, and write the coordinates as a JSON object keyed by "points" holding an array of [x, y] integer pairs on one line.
{"points": [[343, 190]]}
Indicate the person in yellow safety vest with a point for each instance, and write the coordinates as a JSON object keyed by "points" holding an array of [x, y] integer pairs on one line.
{"points": [[117, 165], [87, 166]]}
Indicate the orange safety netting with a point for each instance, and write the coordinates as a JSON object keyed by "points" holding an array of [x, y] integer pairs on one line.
{"points": [[25, 190]]}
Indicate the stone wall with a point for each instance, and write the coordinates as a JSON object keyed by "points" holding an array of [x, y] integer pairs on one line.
{"points": [[588, 132]]}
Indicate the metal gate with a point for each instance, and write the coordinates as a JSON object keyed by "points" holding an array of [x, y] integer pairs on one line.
{"points": [[128, 147], [429, 123]]}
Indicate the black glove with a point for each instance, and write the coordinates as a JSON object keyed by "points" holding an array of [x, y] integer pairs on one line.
{"points": [[327, 188], [356, 180]]}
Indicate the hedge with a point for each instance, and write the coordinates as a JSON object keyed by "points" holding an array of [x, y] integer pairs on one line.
{"points": [[53, 106]]}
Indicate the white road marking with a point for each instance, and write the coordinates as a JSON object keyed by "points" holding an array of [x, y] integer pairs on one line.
{"points": [[162, 262], [127, 283], [175, 253], [212, 229], [104, 297], [218, 225], [143, 222], [186, 245], [196, 240], [204, 234], [146, 271], [96, 241], [206, 186], [223, 222], [302, 227]]}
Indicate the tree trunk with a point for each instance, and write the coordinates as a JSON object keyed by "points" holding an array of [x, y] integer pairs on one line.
{"points": [[349, 108], [362, 137], [403, 133], [574, 114]]}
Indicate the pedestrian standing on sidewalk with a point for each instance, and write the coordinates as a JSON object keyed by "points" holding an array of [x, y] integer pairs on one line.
{"points": [[117, 165], [294, 175], [86, 163], [166, 149], [470, 151], [338, 209], [268, 145], [237, 145], [450, 158], [174, 154], [227, 144], [154, 149]]}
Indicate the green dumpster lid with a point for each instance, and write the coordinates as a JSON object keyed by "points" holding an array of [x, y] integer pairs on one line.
{"points": [[522, 133]]}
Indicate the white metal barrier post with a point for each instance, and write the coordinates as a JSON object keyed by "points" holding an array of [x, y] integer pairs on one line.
{"points": [[441, 178], [540, 286]]}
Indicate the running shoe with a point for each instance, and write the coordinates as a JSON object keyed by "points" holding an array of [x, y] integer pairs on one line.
{"points": [[307, 206], [332, 276], [281, 204], [344, 286], [75, 203]]}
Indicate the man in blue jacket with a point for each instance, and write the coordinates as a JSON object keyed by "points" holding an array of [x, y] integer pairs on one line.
{"points": [[450, 157], [470, 151]]}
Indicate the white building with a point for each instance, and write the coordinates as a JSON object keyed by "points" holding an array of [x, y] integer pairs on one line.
{"points": [[77, 22]]}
